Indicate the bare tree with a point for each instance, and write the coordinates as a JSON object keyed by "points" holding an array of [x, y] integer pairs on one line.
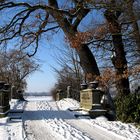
{"points": [[70, 73], [15, 67], [119, 36], [113, 29], [33, 20], [119, 60], [68, 57]]}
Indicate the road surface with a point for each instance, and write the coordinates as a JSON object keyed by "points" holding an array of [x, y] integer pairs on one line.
{"points": [[44, 120]]}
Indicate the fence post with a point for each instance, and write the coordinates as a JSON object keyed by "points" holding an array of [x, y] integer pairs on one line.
{"points": [[68, 91], [13, 92], [20, 95]]}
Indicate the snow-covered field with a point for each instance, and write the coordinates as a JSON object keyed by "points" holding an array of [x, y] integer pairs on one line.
{"points": [[45, 119]]}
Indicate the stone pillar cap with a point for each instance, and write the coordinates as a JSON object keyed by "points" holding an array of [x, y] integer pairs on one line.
{"points": [[83, 84], [7, 86], [59, 90], [94, 82], [2, 82]]}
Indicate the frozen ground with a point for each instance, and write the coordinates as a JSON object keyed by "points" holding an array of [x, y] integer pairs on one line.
{"points": [[12, 130], [44, 119]]}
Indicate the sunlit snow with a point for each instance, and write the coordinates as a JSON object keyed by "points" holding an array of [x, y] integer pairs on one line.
{"points": [[45, 119]]}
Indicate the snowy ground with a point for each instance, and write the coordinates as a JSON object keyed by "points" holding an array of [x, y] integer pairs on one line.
{"points": [[44, 119], [12, 130]]}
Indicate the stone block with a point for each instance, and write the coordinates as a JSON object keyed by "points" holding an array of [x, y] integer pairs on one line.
{"points": [[90, 98], [97, 112]]}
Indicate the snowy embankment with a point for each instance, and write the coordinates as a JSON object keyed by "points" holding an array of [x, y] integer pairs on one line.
{"points": [[128, 131], [45, 119]]}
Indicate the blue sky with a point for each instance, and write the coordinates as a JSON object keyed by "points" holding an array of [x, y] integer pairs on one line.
{"points": [[44, 80]]}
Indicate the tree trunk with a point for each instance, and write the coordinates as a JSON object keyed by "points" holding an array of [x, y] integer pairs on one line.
{"points": [[119, 60], [136, 35], [87, 59], [136, 32], [120, 65], [88, 62]]}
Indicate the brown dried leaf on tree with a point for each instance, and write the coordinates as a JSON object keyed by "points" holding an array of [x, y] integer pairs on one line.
{"points": [[107, 78], [84, 37]]}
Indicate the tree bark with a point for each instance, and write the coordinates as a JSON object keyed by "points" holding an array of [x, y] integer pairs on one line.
{"points": [[136, 35], [88, 62], [120, 65], [119, 60], [136, 32], [87, 59]]}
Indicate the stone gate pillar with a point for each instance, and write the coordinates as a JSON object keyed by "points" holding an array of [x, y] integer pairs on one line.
{"points": [[90, 100], [4, 99]]}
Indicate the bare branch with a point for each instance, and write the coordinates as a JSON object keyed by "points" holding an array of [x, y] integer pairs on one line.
{"points": [[80, 16], [12, 4], [49, 29], [36, 48]]}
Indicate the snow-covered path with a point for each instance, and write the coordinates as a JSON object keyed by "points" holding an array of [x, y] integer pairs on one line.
{"points": [[34, 126], [45, 120]]}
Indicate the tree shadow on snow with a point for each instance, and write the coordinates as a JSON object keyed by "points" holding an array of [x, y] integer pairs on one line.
{"points": [[48, 114]]}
